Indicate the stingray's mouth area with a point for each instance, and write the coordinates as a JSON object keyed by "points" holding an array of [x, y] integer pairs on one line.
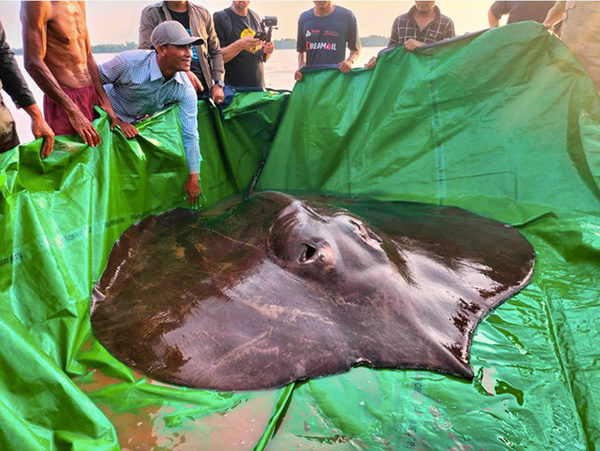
{"points": [[309, 253]]}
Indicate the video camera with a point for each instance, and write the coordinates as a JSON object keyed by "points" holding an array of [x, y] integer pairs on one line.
{"points": [[269, 22]]}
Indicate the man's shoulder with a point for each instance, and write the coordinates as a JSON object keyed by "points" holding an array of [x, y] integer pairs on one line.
{"points": [[136, 55], [343, 11], [221, 15], [200, 9], [445, 19], [151, 9], [404, 16], [308, 14], [255, 15], [342, 15]]}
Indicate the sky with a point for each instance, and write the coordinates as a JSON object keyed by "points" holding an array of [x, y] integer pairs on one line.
{"points": [[116, 22]]}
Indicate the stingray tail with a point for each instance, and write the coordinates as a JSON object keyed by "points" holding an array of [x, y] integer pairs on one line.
{"points": [[250, 189]]}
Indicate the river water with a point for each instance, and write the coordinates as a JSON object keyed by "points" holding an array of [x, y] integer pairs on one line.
{"points": [[279, 74]]}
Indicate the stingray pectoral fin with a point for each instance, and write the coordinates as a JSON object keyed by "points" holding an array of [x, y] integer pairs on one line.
{"points": [[455, 364], [424, 351]]}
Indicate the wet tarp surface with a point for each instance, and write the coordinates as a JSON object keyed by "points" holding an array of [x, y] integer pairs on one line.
{"points": [[505, 124]]}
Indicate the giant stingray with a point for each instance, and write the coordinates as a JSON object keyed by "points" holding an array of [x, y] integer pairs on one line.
{"points": [[277, 289]]}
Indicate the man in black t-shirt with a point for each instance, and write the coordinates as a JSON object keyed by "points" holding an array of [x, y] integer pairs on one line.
{"points": [[243, 54], [518, 11]]}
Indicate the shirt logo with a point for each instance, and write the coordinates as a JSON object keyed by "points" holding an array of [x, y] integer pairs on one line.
{"points": [[321, 46], [331, 33], [250, 32], [308, 34]]}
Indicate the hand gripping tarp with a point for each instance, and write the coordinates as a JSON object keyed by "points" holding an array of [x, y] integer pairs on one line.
{"points": [[506, 124]]}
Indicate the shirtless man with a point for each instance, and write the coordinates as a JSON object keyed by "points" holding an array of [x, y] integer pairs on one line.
{"points": [[57, 54]]}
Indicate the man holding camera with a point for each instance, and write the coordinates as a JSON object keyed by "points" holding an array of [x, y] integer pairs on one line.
{"points": [[245, 45]]}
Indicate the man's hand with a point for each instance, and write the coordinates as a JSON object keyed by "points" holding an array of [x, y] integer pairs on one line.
{"points": [[345, 66], [192, 187], [216, 94], [128, 129], [412, 44], [84, 128], [371, 64], [196, 83], [41, 129], [249, 43], [298, 75], [268, 48]]}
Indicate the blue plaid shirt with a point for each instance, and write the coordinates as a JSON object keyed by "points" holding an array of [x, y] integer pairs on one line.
{"points": [[136, 88]]}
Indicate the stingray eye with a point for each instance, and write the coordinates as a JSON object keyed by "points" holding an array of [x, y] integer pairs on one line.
{"points": [[308, 253]]}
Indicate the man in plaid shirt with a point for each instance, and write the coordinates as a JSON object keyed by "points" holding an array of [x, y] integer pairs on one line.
{"points": [[422, 24]]}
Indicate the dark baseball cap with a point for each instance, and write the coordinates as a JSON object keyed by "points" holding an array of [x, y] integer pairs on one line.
{"points": [[172, 32]]}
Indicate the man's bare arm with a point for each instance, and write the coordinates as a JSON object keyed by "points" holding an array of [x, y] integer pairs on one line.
{"points": [[493, 20], [301, 63], [128, 130], [346, 65], [40, 129], [554, 15], [34, 18]]}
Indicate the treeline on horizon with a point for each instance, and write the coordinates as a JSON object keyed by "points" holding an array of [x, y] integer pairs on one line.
{"points": [[369, 41]]}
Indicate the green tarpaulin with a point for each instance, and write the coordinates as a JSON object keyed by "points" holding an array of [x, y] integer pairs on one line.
{"points": [[505, 124]]}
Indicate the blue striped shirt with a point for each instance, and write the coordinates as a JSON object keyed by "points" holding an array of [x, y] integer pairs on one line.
{"points": [[136, 88]]}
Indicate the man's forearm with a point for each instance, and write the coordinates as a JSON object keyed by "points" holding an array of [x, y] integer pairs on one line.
{"points": [[301, 60], [191, 148], [554, 15], [97, 82], [493, 20], [354, 54], [192, 155], [231, 51], [40, 73]]}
